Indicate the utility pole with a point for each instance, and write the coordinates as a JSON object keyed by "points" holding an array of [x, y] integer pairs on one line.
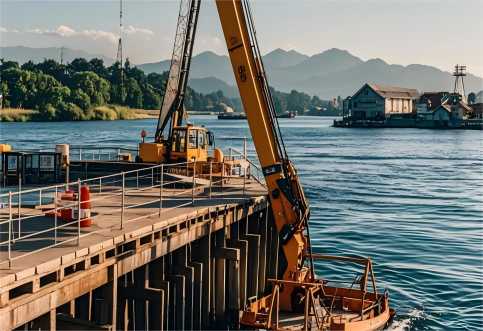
{"points": [[459, 84], [119, 58], [62, 55]]}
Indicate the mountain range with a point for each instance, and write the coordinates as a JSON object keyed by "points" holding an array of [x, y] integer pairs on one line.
{"points": [[328, 74]]}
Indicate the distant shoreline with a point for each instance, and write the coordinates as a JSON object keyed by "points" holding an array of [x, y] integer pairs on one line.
{"points": [[104, 113], [108, 113]]}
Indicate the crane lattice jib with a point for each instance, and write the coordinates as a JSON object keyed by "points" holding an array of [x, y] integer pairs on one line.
{"points": [[173, 98]]}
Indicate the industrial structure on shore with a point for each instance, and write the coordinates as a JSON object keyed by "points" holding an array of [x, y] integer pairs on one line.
{"points": [[375, 105]]}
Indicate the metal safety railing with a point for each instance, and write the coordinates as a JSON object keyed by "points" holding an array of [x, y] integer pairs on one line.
{"points": [[101, 153], [33, 220]]}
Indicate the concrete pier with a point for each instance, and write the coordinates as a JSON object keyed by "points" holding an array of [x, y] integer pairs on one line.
{"points": [[190, 267]]}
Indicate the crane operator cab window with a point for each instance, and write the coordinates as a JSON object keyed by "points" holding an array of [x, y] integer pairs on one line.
{"points": [[192, 138], [179, 141]]}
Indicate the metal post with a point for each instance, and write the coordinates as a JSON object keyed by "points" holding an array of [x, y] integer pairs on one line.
{"points": [[211, 178], [244, 181], [80, 154], [40, 197], [222, 173], [245, 148], [161, 183], [122, 198], [67, 176], [194, 183], [137, 179], [10, 229], [152, 177], [19, 204], [78, 210], [100, 184], [55, 216]]}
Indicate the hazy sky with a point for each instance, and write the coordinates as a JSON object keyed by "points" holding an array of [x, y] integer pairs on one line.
{"points": [[435, 32]]}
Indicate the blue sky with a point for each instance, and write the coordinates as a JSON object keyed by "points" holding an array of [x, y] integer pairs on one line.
{"points": [[435, 32]]}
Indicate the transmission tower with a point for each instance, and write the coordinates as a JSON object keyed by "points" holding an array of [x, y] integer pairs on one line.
{"points": [[119, 57], [459, 84], [62, 55]]}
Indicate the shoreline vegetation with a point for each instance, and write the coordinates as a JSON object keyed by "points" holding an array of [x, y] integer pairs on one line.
{"points": [[88, 90], [100, 113]]}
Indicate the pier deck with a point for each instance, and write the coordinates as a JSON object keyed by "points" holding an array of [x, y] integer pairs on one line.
{"points": [[49, 266]]}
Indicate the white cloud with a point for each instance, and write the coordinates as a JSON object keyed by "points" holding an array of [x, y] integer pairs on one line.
{"points": [[130, 30], [64, 31]]}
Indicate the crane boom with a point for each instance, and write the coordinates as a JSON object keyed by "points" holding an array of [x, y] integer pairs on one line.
{"points": [[173, 99], [295, 290], [289, 206]]}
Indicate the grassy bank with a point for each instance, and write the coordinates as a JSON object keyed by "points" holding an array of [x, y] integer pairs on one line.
{"points": [[16, 115], [101, 113]]}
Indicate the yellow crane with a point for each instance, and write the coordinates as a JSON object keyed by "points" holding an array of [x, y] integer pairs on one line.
{"points": [[173, 141], [297, 291], [306, 301]]}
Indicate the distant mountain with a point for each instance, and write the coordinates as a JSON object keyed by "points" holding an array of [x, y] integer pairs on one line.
{"points": [[329, 74], [212, 84], [332, 60], [22, 54], [347, 82], [203, 65], [280, 58]]}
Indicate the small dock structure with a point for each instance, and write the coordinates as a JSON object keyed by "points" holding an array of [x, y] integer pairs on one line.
{"points": [[167, 249]]}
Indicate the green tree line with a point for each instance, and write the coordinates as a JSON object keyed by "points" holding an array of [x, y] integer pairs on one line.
{"points": [[298, 102], [72, 91]]}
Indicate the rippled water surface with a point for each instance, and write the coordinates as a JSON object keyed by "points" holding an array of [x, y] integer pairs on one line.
{"points": [[411, 199]]}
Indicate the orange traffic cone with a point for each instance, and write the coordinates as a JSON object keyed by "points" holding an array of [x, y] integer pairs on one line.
{"points": [[66, 213], [85, 207]]}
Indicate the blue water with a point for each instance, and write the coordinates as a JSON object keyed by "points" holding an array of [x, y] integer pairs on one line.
{"points": [[411, 199]]}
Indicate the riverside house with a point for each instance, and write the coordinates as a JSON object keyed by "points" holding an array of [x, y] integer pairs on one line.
{"points": [[376, 102]]}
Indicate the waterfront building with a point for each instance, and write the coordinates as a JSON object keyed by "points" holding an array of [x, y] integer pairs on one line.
{"points": [[376, 102], [477, 110], [442, 113], [431, 100]]}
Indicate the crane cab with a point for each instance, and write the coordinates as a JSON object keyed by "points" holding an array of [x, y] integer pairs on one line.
{"points": [[187, 143]]}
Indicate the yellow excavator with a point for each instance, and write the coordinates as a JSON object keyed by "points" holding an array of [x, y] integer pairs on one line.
{"points": [[173, 141], [298, 299], [298, 294]]}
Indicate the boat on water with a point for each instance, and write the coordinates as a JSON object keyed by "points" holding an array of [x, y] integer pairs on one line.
{"points": [[232, 116], [287, 114], [323, 304]]}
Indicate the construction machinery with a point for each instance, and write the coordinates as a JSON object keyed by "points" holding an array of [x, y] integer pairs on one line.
{"points": [[306, 301], [173, 141], [297, 299]]}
